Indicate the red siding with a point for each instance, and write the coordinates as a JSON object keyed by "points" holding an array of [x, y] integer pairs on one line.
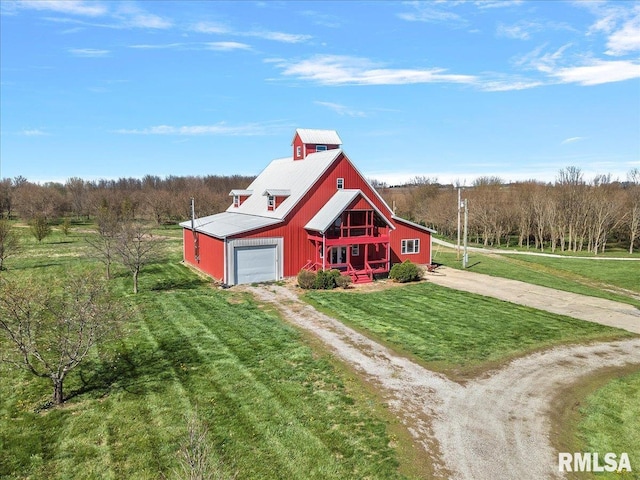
{"points": [[298, 250], [407, 232], [306, 149], [211, 253]]}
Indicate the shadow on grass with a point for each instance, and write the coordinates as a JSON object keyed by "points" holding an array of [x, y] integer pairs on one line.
{"points": [[136, 371], [178, 284]]}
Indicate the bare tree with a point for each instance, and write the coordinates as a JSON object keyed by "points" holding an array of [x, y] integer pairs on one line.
{"points": [[48, 330], [104, 244], [9, 243], [40, 227], [633, 206], [197, 461], [137, 247]]}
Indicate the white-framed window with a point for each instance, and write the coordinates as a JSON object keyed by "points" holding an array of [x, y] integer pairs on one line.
{"points": [[236, 201], [321, 148], [355, 250], [340, 183], [410, 246], [298, 151], [271, 202]]}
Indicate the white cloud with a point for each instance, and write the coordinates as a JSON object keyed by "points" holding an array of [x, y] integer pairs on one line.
{"points": [[158, 46], [227, 46], [217, 129], [279, 36], [126, 14], [599, 72], [73, 7], [431, 12], [571, 140], [88, 52], [625, 40], [132, 16], [520, 31], [221, 29], [347, 70], [33, 132], [210, 27], [341, 109]]}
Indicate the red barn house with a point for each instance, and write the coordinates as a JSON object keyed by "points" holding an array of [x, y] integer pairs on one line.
{"points": [[313, 210]]}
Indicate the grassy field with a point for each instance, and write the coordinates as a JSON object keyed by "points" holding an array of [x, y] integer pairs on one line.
{"points": [[610, 422], [274, 408], [611, 279], [454, 331]]}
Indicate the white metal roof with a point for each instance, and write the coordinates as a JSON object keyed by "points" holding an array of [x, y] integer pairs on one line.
{"points": [[321, 137], [226, 224], [413, 224], [334, 208], [240, 192], [277, 192], [295, 176]]}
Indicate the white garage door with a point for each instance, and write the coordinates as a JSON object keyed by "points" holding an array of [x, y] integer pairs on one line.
{"points": [[256, 264]]}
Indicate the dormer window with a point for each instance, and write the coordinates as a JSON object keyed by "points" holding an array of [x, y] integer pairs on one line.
{"points": [[275, 196], [321, 148], [298, 151], [239, 196]]}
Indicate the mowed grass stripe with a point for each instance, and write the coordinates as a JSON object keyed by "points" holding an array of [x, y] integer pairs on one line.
{"points": [[452, 329], [256, 405], [254, 416]]}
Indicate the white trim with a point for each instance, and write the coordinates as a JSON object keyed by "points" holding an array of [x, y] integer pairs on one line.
{"points": [[415, 246], [340, 183], [355, 250]]}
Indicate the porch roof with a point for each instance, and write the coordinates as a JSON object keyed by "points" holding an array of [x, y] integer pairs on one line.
{"points": [[334, 208]]}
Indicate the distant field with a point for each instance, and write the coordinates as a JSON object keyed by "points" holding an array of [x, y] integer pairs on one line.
{"points": [[274, 408], [454, 331], [611, 279]]}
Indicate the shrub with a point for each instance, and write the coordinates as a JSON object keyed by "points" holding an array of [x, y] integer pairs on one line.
{"points": [[306, 279], [326, 280], [406, 271], [343, 281], [322, 280]]}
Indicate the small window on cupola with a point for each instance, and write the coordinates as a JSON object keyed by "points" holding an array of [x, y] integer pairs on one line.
{"points": [[236, 201]]}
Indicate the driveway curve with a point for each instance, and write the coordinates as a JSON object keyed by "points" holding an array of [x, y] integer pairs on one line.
{"points": [[494, 427]]}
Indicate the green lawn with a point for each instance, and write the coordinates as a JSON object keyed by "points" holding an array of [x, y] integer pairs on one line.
{"points": [[611, 279], [274, 408], [453, 330], [611, 422]]}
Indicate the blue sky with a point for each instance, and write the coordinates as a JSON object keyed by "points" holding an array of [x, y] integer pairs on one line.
{"points": [[452, 90]]}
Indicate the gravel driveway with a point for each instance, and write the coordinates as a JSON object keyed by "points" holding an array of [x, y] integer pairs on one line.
{"points": [[494, 427]]}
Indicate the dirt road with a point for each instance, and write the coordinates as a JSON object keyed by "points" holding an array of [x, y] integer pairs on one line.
{"points": [[495, 427]]}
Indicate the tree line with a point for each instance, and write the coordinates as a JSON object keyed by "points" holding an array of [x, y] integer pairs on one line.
{"points": [[162, 200], [570, 214]]}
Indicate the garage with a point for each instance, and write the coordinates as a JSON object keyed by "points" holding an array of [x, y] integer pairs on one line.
{"points": [[256, 263]]}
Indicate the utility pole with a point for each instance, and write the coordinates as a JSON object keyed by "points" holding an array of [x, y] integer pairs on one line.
{"points": [[465, 256], [458, 244]]}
